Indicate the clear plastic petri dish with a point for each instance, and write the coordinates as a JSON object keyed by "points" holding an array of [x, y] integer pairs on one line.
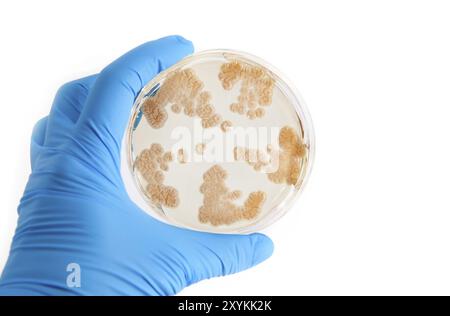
{"points": [[219, 142]]}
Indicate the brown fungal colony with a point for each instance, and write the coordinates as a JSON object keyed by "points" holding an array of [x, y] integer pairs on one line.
{"points": [[225, 126], [200, 148], [182, 156], [151, 163], [184, 91], [218, 201], [257, 159], [292, 150], [256, 88]]}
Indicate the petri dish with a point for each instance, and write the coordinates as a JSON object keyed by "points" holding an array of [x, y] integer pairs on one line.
{"points": [[219, 142]]}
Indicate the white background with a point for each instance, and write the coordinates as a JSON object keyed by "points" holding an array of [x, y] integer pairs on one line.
{"points": [[375, 216]]}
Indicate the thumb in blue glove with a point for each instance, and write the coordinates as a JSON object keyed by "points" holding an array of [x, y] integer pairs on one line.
{"points": [[76, 214]]}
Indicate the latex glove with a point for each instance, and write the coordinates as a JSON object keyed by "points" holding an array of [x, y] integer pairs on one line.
{"points": [[75, 208]]}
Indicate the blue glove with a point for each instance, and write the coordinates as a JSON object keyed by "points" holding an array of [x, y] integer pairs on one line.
{"points": [[78, 232]]}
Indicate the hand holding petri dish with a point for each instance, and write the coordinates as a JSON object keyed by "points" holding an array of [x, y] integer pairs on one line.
{"points": [[219, 142]]}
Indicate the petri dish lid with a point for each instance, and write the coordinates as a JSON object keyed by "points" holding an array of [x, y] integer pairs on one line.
{"points": [[219, 142]]}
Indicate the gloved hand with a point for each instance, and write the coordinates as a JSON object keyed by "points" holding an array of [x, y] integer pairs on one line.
{"points": [[75, 212]]}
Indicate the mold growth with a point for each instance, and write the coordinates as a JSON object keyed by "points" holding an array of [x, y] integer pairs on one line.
{"points": [[218, 201], [292, 150], [184, 91], [257, 159], [200, 148], [282, 166], [182, 156], [225, 126], [256, 88], [151, 163]]}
